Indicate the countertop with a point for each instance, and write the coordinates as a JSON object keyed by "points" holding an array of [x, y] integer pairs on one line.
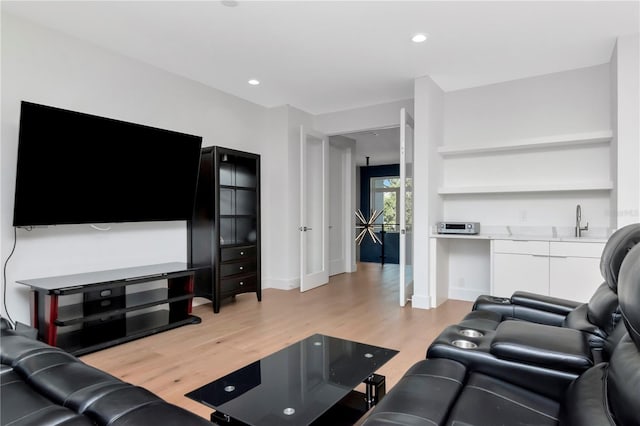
{"points": [[539, 233], [521, 238]]}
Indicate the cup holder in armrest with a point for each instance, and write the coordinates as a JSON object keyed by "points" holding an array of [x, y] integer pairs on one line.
{"points": [[471, 333], [464, 344], [500, 300]]}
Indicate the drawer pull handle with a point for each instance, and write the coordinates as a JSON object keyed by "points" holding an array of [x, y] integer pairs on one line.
{"points": [[241, 253], [241, 282], [241, 268]]}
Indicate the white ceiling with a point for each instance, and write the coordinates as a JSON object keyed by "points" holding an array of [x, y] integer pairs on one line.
{"points": [[382, 146], [325, 56]]}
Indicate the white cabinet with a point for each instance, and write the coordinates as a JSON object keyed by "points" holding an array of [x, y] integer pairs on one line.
{"points": [[574, 269], [569, 270], [520, 265]]}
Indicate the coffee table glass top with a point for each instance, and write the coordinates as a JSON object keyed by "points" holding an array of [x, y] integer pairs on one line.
{"points": [[296, 384]]}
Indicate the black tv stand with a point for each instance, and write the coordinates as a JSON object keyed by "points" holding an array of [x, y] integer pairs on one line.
{"points": [[87, 312]]}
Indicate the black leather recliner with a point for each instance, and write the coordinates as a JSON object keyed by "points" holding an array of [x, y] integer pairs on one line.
{"points": [[541, 357], [529, 351], [44, 385], [598, 317], [445, 392]]}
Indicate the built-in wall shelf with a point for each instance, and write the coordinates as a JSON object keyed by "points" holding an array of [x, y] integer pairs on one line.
{"points": [[495, 189], [548, 142]]}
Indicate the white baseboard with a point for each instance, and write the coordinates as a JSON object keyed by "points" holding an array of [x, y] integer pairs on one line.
{"points": [[467, 294], [420, 302], [281, 284]]}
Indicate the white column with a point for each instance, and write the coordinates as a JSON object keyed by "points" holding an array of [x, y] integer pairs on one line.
{"points": [[626, 128], [429, 112]]}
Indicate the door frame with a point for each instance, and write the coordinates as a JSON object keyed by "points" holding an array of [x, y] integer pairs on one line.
{"points": [[406, 120]]}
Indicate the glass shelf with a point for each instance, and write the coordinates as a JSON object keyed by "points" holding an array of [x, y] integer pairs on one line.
{"points": [[237, 171], [244, 188], [237, 202], [238, 230], [100, 336], [80, 312]]}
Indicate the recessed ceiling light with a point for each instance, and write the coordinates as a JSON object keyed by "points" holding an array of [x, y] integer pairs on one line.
{"points": [[419, 38], [253, 82]]}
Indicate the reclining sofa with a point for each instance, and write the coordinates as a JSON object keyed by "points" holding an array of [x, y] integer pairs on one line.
{"points": [[44, 385], [598, 317], [524, 347], [443, 390]]}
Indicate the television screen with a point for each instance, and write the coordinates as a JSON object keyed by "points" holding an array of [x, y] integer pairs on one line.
{"points": [[80, 168]]}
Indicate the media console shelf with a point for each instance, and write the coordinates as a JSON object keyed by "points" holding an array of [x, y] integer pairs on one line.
{"points": [[86, 312]]}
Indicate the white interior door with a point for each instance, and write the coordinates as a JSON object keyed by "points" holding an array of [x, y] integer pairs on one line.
{"points": [[314, 212], [406, 206]]}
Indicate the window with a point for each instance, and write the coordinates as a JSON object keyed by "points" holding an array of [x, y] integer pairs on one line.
{"points": [[385, 197]]}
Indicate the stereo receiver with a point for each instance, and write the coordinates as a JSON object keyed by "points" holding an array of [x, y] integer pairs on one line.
{"points": [[458, 228]]}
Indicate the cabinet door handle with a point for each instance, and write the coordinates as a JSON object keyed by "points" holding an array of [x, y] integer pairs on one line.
{"points": [[540, 255], [241, 283], [241, 268], [241, 253]]}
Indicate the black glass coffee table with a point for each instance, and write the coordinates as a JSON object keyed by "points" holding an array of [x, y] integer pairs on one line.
{"points": [[309, 382]]}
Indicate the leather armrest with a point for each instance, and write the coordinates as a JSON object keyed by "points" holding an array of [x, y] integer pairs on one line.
{"points": [[550, 347], [423, 396], [544, 303], [5, 324], [546, 381], [531, 308]]}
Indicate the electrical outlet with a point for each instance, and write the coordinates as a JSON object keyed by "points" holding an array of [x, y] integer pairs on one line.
{"points": [[523, 216]]}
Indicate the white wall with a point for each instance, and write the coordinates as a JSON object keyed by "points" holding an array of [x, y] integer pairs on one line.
{"points": [[44, 66], [625, 68], [284, 197], [570, 102], [567, 102], [274, 199]]}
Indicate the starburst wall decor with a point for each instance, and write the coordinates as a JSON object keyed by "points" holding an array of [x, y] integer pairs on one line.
{"points": [[368, 226]]}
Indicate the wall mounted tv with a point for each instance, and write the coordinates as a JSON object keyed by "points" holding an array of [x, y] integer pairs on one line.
{"points": [[79, 168]]}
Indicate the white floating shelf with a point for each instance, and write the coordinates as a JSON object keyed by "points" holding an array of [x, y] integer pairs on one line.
{"points": [[559, 141], [589, 186]]}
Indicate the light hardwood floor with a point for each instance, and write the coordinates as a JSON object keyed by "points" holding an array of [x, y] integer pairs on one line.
{"points": [[362, 306]]}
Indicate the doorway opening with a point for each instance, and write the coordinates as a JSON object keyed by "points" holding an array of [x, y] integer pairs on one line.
{"points": [[385, 195], [380, 192], [377, 171]]}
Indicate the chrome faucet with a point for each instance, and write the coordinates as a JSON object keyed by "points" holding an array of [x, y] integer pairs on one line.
{"points": [[579, 228]]}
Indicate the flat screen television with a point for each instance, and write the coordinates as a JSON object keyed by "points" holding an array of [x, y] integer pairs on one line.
{"points": [[79, 168]]}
